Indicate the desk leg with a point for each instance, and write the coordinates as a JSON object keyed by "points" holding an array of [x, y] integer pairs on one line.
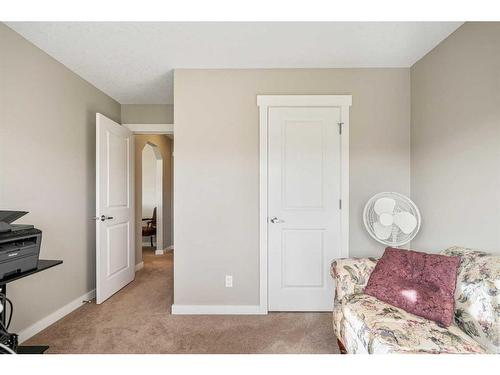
{"points": [[20, 349]]}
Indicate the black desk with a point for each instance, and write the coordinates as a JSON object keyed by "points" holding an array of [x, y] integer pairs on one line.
{"points": [[43, 264]]}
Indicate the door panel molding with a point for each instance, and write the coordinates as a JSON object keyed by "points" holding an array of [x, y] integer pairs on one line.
{"points": [[265, 102]]}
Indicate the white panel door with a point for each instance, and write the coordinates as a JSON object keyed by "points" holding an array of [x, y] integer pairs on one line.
{"points": [[115, 254], [303, 209]]}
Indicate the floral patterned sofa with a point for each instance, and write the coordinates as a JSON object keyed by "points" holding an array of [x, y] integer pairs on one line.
{"points": [[364, 324]]}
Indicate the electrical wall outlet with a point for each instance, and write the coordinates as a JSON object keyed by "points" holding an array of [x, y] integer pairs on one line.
{"points": [[229, 281]]}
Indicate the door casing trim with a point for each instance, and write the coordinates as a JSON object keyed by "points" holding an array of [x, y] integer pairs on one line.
{"points": [[167, 129], [264, 102]]}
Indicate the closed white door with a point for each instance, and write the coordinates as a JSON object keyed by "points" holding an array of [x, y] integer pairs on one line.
{"points": [[304, 206], [115, 255]]}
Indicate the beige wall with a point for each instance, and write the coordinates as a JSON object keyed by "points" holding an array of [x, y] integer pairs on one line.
{"points": [[47, 167], [455, 134], [217, 166], [147, 113], [165, 145]]}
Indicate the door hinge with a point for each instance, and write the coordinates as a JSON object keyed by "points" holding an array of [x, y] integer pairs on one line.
{"points": [[340, 204], [340, 127]]}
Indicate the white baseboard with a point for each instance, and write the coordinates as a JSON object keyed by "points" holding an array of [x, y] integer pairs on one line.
{"points": [[139, 266], [217, 310], [33, 329], [161, 252]]}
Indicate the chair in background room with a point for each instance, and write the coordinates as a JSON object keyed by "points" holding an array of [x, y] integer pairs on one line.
{"points": [[150, 228]]}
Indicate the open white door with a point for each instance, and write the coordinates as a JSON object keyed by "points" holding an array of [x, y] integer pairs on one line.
{"points": [[115, 244]]}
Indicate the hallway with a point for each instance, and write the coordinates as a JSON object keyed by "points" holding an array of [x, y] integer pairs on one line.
{"points": [[137, 320]]}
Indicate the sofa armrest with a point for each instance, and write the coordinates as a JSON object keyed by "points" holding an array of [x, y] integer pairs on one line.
{"points": [[351, 275]]}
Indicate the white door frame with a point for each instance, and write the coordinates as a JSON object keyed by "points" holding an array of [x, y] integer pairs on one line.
{"points": [[158, 196], [150, 128], [264, 102]]}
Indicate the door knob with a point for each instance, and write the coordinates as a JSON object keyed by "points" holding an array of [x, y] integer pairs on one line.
{"points": [[103, 217], [275, 220]]}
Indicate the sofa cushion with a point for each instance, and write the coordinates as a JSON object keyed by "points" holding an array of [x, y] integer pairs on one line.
{"points": [[420, 283], [382, 328], [477, 296]]}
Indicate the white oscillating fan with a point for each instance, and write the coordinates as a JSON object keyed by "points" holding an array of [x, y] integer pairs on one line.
{"points": [[391, 218]]}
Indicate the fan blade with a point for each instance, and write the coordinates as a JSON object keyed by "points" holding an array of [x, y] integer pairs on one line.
{"points": [[384, 205], [405, 221], [381, 231]]}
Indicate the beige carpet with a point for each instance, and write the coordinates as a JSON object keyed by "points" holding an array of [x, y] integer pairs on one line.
{"points": [[137, 320]]}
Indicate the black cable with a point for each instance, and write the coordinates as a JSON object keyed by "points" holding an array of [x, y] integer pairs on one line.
{"points": [[6, 338], [3, 331], [10, 312]]}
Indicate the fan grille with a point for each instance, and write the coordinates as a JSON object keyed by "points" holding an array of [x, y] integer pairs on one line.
{"points": [[403, 204]]}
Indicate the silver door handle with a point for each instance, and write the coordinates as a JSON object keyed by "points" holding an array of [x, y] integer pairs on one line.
{"points": [[103, 217], [275, 220]]}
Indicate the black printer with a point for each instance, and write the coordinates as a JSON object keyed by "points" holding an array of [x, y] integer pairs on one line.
{"points": [[19, 244]]}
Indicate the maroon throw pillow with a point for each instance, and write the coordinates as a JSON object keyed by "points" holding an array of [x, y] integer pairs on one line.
{"points": [[422, 284]]}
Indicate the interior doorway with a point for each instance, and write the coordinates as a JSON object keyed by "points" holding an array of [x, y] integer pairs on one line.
{"points": [[152, 198], [153, 193], [119, 204]]}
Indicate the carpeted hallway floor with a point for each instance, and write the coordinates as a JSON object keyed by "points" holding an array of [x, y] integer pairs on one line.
{"points": [[137, 320]]}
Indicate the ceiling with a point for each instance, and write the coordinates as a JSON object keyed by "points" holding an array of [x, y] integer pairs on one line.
{"points": [[133, 61]]}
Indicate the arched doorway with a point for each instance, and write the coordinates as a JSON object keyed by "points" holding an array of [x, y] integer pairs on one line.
{"points": [[152, 190]]}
